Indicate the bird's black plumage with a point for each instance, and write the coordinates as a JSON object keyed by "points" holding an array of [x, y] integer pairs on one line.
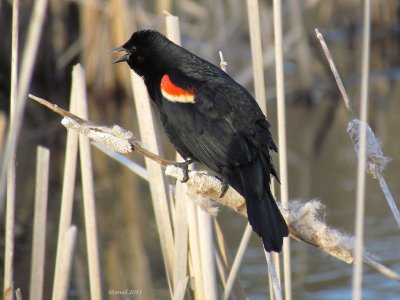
{"points": [[210, 118]]}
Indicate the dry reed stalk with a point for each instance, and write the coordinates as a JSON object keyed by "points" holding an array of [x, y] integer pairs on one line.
{"points": [[336, 74], [134, 167], [69, 54], [237, 261], [88, 191], [362, 155], [180, 289], [172, 29], [68, 242], [191, 282], [194, 248], [171, 196], [3, 126], [256, 54], [207, 250], [180, 215], [274, 279], [271, 284], [158, 183], [389, 197], [10, 209], [181, 237], [67, 198], [39, 224], [223, 64], [18, 294], [275, 256], [14, 61], [163, 6], [220, 262], [26, 70], [9, 234], [280, 95], [224, 263]]}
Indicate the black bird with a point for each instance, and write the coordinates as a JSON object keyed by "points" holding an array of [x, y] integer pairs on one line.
{"points": [[210, 118]]}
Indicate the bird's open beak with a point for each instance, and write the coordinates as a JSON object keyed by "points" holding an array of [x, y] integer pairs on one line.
{"points": [[119, 49], [122, 58]]}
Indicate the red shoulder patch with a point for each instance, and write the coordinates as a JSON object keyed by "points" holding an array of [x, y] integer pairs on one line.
{"points": [[174, 93]]}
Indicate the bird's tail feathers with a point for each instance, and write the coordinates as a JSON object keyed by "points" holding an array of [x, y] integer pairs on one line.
{"points": [[262, 210]]}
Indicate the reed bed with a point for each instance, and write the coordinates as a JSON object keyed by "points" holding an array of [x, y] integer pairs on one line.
{"points": [[311, 231], [24, 78], [197, 260]]}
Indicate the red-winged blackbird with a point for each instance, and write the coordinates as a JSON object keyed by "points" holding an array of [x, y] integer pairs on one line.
{"points": [[210, 118]]}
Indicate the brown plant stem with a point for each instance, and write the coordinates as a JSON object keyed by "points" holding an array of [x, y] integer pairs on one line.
{"points": [[135, 144]]}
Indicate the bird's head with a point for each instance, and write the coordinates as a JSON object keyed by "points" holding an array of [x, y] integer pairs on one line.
{"points": [[144, 52]]}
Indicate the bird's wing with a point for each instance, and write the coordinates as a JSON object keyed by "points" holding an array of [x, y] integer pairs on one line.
{"points": [[238, 107], [210, 137], [214, 119]]}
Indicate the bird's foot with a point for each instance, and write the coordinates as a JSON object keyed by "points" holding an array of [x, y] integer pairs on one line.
{"points": [[185, 168], [225, 186]]}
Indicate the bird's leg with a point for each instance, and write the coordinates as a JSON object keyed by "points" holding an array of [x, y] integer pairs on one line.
{"points": [[185, 168], [225, 186]]}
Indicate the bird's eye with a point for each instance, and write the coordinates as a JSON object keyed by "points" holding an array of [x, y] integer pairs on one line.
{"points": [[142, 54], [141, 59]]}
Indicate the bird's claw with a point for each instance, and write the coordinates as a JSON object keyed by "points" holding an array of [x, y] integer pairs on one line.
{"points": [[185, 168], [225, 186]]}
